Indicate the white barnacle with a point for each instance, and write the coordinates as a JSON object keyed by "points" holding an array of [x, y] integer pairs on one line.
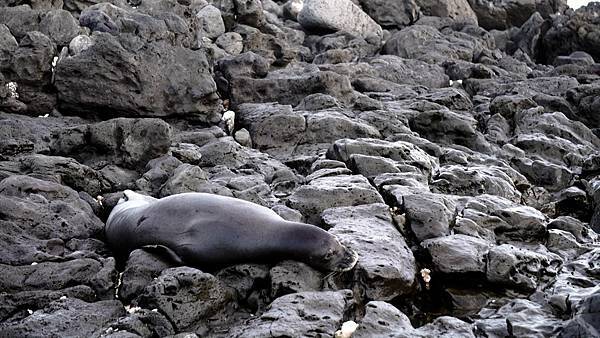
{"points": [[132, 309], [63, 298], [229, 119], [348, 328], [426, 275], [12, 90]]}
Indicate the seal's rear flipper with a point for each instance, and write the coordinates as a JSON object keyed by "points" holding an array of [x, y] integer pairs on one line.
{"points": [[164, 252]]}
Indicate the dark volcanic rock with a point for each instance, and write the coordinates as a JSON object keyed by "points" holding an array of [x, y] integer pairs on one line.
{"points": [[392, 14], [152, 80], [300, 314], [505, 14], [186, 296], [39, 217], [98, 275], [122, 141], [69, 317], [290, 89], [453, 144], [566, 34], [385, 263], [336, 191], [141, 269]]}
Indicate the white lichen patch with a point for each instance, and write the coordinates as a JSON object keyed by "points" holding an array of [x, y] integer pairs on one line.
{"points": [[12, 90], [132, 309], [426, 275], [348, 328], [63, 298], [229, 119]]}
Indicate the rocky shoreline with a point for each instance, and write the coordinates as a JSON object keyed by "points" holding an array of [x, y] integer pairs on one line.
{"points": [[454, 145]]}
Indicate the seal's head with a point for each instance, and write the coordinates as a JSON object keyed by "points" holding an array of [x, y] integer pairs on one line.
{"points": [[130, 196], [333, 256]]}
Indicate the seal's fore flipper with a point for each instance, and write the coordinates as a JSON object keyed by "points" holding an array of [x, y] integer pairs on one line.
{"points": [[164, 252]]}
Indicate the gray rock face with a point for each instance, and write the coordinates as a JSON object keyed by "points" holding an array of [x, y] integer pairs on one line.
{"points": [[307, 314], [427, 44], [458, 253], [505, 14], [459, 136], [476, 180], [328, 192], [121, 141], [385, 262], [521, 268], [141, 269], [97, 275], [392, 13], [160, 85], [60, 26], [428, 215], [519, 317], [403, 153], [291, 89], [30, 208], [586, 319], [294, 277], [562, 37], [186, 296], [210, 23], [459, 10], [348, 17], [382, 319], [70, 317]]}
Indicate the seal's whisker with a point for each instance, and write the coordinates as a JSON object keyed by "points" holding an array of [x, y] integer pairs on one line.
{"points": [[332, 273]]}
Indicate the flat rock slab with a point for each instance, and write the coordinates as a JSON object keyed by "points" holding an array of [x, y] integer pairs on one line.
{"points": [[335, 191], [339, 15], [402, 152], [458, 253], [152, 80], [39, 218], [186, 296], [304, 314], [385, 262], [66, 318], [59, 275], [384, 320], [521, 268]]}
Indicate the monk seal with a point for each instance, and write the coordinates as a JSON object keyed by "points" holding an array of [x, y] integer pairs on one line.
{"points": [[212, 231]]}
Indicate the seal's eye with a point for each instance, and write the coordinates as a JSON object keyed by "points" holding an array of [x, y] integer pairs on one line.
{"points": [[329, 254]]}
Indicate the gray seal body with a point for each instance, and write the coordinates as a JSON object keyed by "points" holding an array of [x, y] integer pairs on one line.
{"points": [[212, 231]]}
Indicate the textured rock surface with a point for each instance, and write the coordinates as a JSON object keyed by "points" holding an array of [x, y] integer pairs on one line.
{"points": [[453, 144], [386, 263]]}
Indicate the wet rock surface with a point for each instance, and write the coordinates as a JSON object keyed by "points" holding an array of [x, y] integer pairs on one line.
{"points": [[454, 145]]}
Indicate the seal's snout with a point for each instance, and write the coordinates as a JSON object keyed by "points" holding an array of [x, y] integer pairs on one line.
{"points": [[348, 261]]}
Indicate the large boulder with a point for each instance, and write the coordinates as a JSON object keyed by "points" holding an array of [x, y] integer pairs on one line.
{"points": [[386, 265], [68, 317], [39, 218], [459, 10], [503, 14], [304, 314], [151, 80], [339, 15], [328, 192], [392, 13]]}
